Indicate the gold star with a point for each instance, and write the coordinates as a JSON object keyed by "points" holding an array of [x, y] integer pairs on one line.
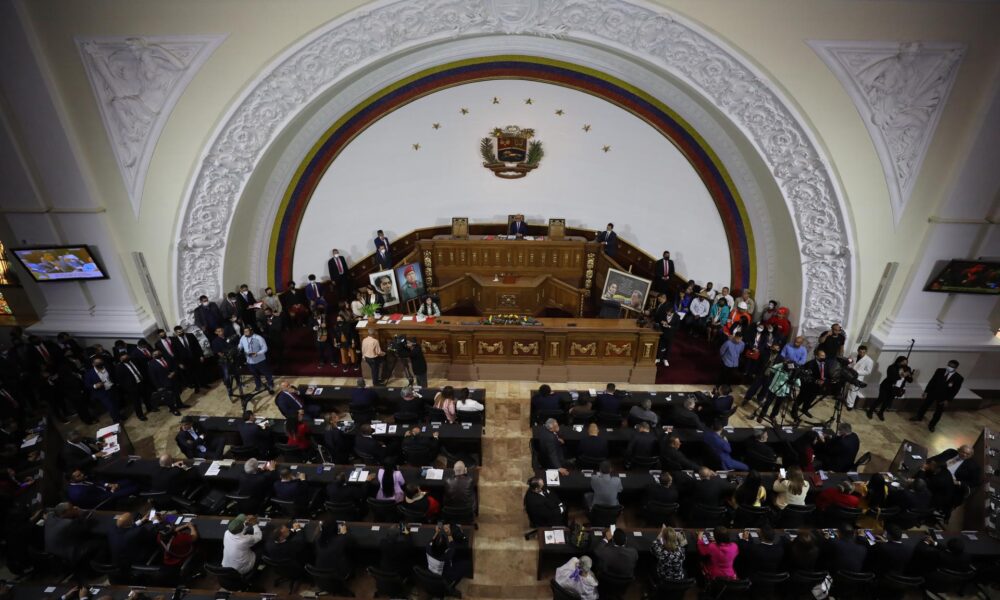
{"points": [[436, 126], [464, 111], [416, 146], [560, 112], [606, 148], [527, 101], [586, 127], [496, 100]]}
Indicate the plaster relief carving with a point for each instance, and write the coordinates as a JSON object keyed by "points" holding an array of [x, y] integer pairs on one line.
{"points": [[576, 349], [136, 82], [722, 76], [900, 91], [522, 348]]}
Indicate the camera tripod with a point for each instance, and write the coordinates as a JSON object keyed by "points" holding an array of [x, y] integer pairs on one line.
{"points": [[840, 399], [236, 376], [392, 360]]}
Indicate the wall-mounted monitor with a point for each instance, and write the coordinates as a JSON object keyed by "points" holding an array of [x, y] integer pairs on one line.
{"points": [[60, 263], [967, 277]]}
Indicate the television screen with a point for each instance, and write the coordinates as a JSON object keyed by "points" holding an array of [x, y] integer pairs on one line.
{"points": [[60, 263], [967, 277]]}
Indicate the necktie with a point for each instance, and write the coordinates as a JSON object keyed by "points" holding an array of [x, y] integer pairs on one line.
{"points": [[665, 267], [43, 352], [821, 371], [184, 342], [135, 372], [340, 267], [166, 344], [163, 363], [315, 293]]}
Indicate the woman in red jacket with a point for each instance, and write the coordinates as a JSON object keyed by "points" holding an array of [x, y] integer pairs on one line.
{"points": [[298, 432], [718, 555]]}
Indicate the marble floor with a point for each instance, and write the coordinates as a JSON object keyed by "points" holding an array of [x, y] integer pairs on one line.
{"points": [[504, 562]]}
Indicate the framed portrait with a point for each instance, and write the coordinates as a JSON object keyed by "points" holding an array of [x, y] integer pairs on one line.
{"points": [[411, 282], [626, 289], [384, 283], [967, 277]]}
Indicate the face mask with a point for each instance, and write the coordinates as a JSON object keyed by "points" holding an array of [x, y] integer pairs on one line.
{"points": [[949, 370], [270, 293], [99, 365], [760, 329], [205, 303]]}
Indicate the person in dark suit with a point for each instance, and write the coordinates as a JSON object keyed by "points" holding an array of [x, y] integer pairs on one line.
{"points": [[896, 377], [230, 307], [715, 406], [100, 383], [289, 402], [257, 481], [195, 444], [164, 378], [289, 487], [845, 552], [314, 294], [914, 497], [364, 443], [333, 547], [68, 343], [167, 347], [245, 301], [255, 436], [614, 555], [609, 239], [287, 544], [133, 385], [964, 468], [190, 356], [341, 490], [608, 401], [667, 322], [817, 380], [41, 354], [891, 556], [129, 539], [662, 270], [663, 490], [671, 457], [940, 484], [642, 445], [543, 505], [550, 447], [683, 416], [544, 399], [381, 241], [758, 452], [517, 226], [941, 390], [85, 493], [838, 453], [336, 441], [711, 490], [208, 316], [763, 556], [383, 260], [593, 445], [170, 476], [339, 274], [362, 398]]}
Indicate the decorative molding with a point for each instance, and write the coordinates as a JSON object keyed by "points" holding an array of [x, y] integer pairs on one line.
{"points": [[494, 348], [525, 348], [375, 32], [576, 349], [900, 91], [136, 82]]}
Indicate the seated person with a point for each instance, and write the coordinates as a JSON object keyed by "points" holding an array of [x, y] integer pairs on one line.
{"points": [[341, 490], [915, 496], [840, 495], [891, 556], [241, 535], [643, 412], [336, 441], [721, 447], [838, 453], [846, 552], [715, 406], [803, 551], [86, 493], [757, 450], [550, 447], [170, 476], [410, 406], [460, 490], [362, 398], [298, 432], [419, 500], [642, 445], [545, 400], [129, 539], [577, 578], [429, 308], [255, 436], [790, 490], [751, 492], [257, 481], [663, 490], [710, 489], [290, 402], [672, 458], [607, 401], [766, 555], [419, 444], [718, 555], [366, 445], [614, 556], [963, 467], [390, 483], [594, 445], [582, 407], [288, 543], [333, 547], [290, 488], [605, 488], [194, 444], [465, 404], [683, 416], [542, 505], [445, 402]]}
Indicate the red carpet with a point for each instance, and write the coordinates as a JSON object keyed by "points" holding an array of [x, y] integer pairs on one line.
{"points": [[691, 361], [300, 358]]}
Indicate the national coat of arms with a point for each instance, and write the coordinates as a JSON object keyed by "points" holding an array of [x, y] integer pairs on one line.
{"points": [[509, 153]]}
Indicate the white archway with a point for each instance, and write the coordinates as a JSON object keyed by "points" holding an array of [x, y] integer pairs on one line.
{"points": [[351, 43]]}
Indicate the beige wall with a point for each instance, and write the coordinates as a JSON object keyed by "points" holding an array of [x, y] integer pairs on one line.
{"points": [[771, 33]]}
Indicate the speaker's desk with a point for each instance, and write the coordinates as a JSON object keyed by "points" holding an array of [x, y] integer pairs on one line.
{"points": [[462, 349]]}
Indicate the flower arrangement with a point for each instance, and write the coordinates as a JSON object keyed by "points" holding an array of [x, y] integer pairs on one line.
{"points": [[508, 320]]}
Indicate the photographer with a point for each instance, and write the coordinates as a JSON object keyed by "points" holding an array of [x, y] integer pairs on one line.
{"points": [[894, 385], [225, 351], [783, 381], [816, 376], [417, 361], [399, 351]]}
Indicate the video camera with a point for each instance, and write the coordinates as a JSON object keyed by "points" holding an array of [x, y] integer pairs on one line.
{"points": [[399, 347]]}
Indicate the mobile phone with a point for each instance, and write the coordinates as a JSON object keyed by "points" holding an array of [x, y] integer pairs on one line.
{"points": [[781, 472], [613, 528], [870, 536]]}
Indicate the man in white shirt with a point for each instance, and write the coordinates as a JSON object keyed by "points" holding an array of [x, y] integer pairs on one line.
{"points": [[254, 348], [238, 541], [864, 365], [729, 299], [698, 313]]}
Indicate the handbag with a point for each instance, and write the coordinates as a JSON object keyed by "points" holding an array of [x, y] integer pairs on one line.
{"points": [[579, 537], [752, 354]]}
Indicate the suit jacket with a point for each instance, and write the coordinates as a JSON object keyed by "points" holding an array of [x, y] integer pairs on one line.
{"points": [[655, 492], [550, 451], [371, 446], [658, 268], [941, 389], [257, 485], [76, 458], [846, 555], [379, 242], [169, 479], [609, 403], [91, 378], [384, 261], [543, 509], [595, 446], [970, 472], [550, 402], [208, 317], [675, 460], [338, 443], [517, 227], [37, 360], [126, 379], [611, 239], [889, 557], [192, 352], [721, 447], [642, 444], [228, 309], [314, 291], [289, 404], [616, 560], [363, 398], [759, 451], [838, 453], [86, 494], [711, 492], [682, 418], [159, 375], [335, 274], [758, 557], [188, 444], [172, 351], [252, 434], [292, 490]]}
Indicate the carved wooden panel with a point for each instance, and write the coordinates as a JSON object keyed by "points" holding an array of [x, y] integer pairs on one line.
{"points": [[437, 347], [528, 348], [578, 349], [493, 348], [618, 349]]}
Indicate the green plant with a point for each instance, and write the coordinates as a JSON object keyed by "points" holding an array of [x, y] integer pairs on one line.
{"points": [[368, 310]]}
